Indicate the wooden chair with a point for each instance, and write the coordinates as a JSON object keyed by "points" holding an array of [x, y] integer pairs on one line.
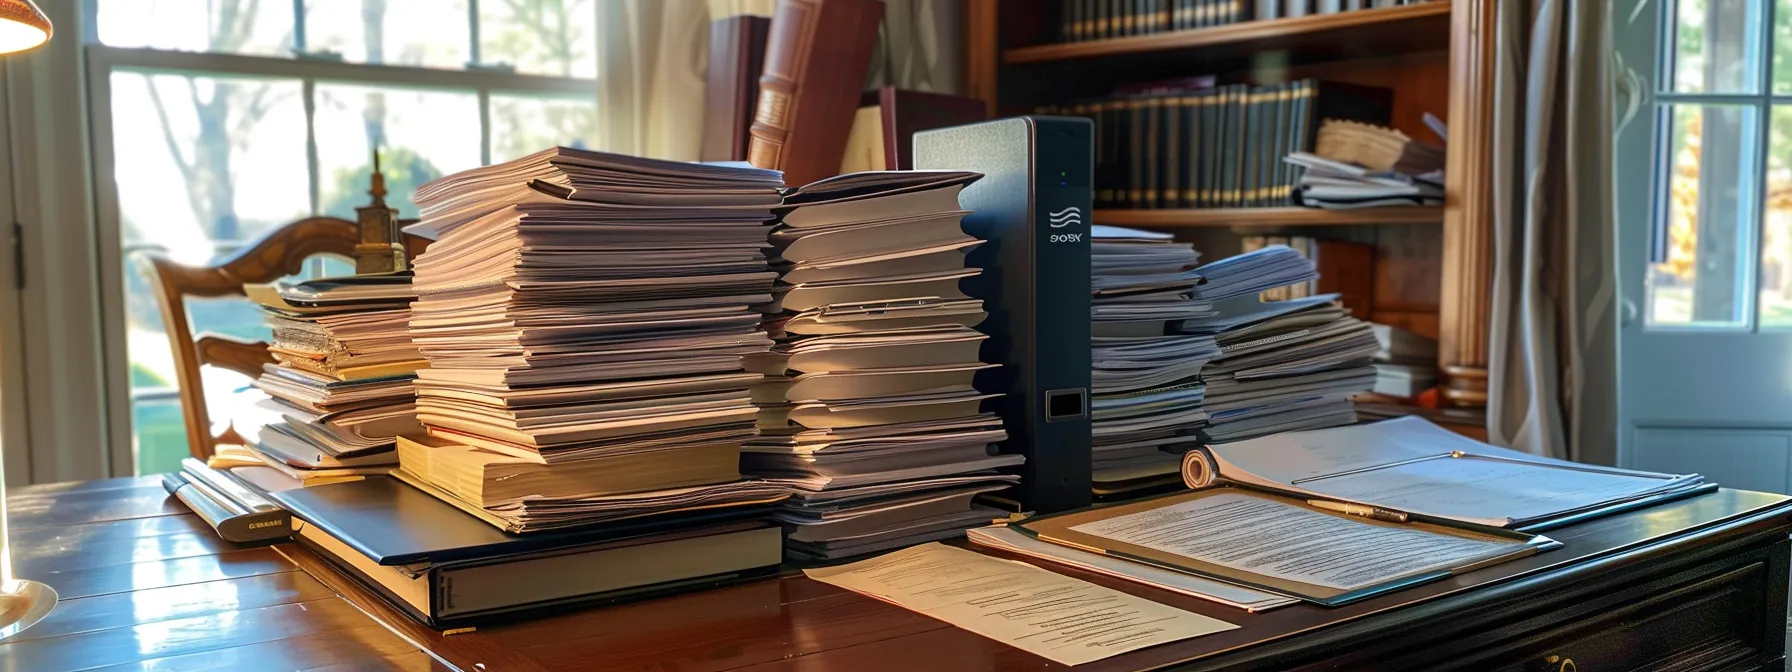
{"points": [[280, 253]]}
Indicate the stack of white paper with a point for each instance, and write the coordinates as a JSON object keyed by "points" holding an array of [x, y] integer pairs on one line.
{"points": [[1335, 185], [340, 390], [1283, 366], [1406, 364], [578, 305], [869, 411], [1146, 378]]}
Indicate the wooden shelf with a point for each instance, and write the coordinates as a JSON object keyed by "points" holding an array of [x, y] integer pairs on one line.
{"points": [[1228, 217], [1363, 32]]}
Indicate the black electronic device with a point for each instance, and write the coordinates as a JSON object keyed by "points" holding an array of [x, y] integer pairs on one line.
{"points": [[1033, 208]]}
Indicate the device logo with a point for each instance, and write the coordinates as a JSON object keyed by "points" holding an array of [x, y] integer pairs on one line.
{"points": [[1066, 217]]}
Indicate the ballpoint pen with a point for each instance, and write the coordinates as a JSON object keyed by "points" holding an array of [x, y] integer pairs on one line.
{"points": [[1360, 510]]}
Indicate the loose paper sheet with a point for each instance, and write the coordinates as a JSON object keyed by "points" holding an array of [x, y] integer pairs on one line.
{"points": [[1064, 619], [1288, 542]]}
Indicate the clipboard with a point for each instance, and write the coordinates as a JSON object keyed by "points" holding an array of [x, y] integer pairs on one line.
{"points": [[1056, 528]]}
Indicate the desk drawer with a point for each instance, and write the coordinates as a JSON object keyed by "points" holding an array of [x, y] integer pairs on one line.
{"points": [[1712, 622]]}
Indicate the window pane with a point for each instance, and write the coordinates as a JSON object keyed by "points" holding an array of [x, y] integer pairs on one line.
{"points": [[1709, 186], [228, 26], [1717, 46], [1776, 223], [1782, 46], [422, 134], [202, 165], [541, 37], [427, 33], [522, 124]]}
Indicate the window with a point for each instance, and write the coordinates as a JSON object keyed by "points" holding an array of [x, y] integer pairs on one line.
{"points": [[218, 120], [1721, 254]]}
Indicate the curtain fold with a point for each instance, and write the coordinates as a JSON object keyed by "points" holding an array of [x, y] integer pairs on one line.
{"points": [[920, 46], [1552, 363], [651, 57]]}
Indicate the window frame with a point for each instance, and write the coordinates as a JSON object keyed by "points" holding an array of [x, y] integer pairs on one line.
{"points": [[102, 60]]}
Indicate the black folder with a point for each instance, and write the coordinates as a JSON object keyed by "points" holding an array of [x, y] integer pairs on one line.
{"points": [[396, 524]]}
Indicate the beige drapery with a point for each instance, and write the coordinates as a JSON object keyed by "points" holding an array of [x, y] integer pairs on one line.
{"points": [[652, 55], [1553, 346]]}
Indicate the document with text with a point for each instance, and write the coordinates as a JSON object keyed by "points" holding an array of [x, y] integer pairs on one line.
{"points": [[1271, 538], [1067, 620]]}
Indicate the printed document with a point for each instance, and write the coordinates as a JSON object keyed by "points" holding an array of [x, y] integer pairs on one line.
{"points": [[1284, 541], [1060, 618]]}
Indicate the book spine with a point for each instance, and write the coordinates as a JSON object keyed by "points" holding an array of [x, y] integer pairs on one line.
{"points": [[812, 80], [1153, 135], [1268, 10], [1171, 153], [1135, 155], [1163, 15], [1191, 153], [1212, 113]]}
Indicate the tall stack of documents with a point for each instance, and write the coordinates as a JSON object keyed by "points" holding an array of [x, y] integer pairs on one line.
{"points": [[341, 387], [1283, 365], [584, 316], [869, 411], [1147, 387]]}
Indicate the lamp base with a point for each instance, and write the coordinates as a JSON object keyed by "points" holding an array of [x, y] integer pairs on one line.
{"points": [[22, 605]]}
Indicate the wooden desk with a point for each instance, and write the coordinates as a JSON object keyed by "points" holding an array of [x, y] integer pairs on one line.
{"points": [[1695, 584]]}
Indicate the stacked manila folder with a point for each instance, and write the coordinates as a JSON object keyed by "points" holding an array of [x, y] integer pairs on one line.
{"points": [[870, 413], [340, 388], [584, 316]]}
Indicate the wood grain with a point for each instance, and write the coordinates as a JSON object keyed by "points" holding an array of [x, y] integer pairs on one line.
{"points": [[327, 622], [1465, 313], [151, 605], [124, 578], [1422, 27], [1265, 217]]}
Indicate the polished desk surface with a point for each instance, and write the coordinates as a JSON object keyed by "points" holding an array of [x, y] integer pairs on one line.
{"points": [[145, 585]]}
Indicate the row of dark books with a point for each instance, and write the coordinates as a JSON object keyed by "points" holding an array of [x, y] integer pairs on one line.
{"points": [[1083, 20], [1215, 147], [1080, 20]]}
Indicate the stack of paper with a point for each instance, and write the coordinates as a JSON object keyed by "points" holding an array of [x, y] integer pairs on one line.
{"points": [[870, 413], [1147, 387], [1283, 365], [1406, 364], [341, 388], [583, 306], [1335, 185]]}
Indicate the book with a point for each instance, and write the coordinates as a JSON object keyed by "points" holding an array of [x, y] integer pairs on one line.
{"points": [[490, 479], [1411, 466], [444, 567], [883, 130], [736, 61], [817, 56], [1375, 147]]}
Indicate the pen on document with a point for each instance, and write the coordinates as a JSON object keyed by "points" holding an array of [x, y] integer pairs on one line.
{"points": [[1360, 510]]}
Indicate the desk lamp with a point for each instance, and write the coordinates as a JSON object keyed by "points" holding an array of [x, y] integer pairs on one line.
{"points": [[22, 603]]}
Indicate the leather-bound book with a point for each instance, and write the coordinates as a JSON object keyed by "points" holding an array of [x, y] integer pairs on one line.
{"points": [[736, 59], [815, 65], [883, 134]]}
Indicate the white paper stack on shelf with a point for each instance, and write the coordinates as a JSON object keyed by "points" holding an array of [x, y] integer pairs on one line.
{"points": [[1335, 185], [1283, 365], [581, 306], [1147, 387], [870, 413], [1406, 364], [341, 389]]}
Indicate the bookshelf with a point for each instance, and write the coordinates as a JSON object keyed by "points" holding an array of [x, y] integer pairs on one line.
{"points": [[1267, 217], [1368, 32], [1433, 265]]}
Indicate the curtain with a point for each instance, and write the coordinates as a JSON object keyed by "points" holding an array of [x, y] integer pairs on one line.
{"points": [[1552, 365], [920, 46], [651, 55]]}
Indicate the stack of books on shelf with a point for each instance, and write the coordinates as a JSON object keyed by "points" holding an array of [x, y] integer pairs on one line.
{"points": [[1146, 378], [1197, 145], [870, 414], [1405, 363], [341, 388], [585, 316], [1081, 20]]}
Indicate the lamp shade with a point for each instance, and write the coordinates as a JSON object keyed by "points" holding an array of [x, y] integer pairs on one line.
{"points": [[22, 26]]}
